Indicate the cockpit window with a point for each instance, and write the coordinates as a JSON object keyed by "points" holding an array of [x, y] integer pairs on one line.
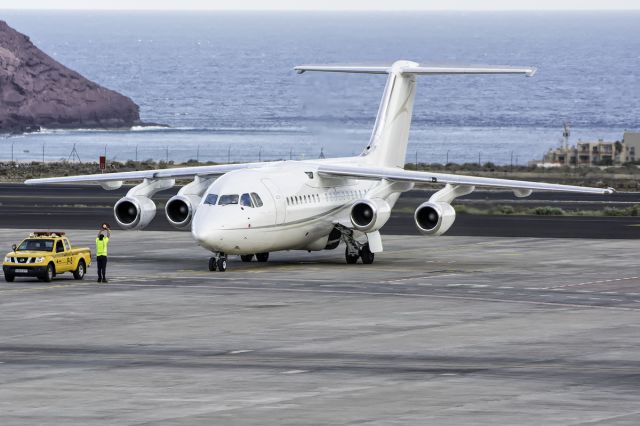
{"points": [[228, 199], [256, 199], [211, 199], [245, 200]]}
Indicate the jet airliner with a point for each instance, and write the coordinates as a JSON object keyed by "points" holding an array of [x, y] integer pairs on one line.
{"points": [[252, 209]]}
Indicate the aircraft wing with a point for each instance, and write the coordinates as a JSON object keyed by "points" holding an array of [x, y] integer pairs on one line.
{"points": [[395, 174], [179, 172]]}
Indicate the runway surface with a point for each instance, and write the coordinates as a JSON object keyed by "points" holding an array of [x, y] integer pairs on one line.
{"points": [[83, 207], [449, 330]]}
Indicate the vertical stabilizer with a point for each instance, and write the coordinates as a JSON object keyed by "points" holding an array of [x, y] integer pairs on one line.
{"points": [[390, 136], [388, 143]]}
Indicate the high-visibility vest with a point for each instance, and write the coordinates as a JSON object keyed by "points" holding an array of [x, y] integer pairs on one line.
{"points": [[101, 246]]}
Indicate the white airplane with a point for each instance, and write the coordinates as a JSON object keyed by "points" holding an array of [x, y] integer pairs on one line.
{"points": [[256, 208]]}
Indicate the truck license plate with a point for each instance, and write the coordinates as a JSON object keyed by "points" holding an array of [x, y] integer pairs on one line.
{"points": [[22, 271]]}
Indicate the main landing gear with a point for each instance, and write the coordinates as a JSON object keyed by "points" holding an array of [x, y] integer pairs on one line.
{"points": [[218, 262], [355, 249]]}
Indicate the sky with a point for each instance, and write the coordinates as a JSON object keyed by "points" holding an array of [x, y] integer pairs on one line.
{"points": [[363, 5]]}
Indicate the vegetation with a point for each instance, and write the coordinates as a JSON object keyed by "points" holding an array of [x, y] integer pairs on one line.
{"points": [[546, 211]]}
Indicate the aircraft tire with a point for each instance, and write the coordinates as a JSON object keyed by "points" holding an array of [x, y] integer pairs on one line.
{"points": [[246, 257], [366, 255], [350, 258], [262, 257], [222, 264], [212, 264]]}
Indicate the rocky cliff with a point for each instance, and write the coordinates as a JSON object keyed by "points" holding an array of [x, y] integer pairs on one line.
{"points": [[37, 91]]}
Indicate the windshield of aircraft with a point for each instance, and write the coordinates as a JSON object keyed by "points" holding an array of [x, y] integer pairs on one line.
{"points": [[211, 199], [250, 200], [37, 245], [228, 199]]}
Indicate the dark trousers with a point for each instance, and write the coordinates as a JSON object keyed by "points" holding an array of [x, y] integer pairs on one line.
{"points": [[102, 267]]}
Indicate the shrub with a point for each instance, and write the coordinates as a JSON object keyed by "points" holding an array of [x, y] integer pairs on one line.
{"points": [[548, 211]]}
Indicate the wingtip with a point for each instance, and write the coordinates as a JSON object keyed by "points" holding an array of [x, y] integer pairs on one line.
{"points": [[532, 72], [609, 191]]}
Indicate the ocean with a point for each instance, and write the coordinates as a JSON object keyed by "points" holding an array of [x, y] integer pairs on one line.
{"points": [[223, 82]]}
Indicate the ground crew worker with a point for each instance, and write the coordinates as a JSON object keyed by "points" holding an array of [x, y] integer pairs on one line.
{"points": [[101, 252]]}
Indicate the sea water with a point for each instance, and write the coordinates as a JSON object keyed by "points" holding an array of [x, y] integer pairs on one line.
{"points": [[223, 82]]}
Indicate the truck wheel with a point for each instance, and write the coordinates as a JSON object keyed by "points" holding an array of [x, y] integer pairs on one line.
{"points": [[48, 273], [9, 278], [78, 274]]}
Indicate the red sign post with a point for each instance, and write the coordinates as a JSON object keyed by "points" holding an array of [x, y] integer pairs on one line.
{"points": [[103, 162]]}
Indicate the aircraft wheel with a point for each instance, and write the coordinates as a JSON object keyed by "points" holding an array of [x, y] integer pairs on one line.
{"points": [[246, 257], [262, 257], [212, 264], [366, 255], [351, 258], [222, 264]]}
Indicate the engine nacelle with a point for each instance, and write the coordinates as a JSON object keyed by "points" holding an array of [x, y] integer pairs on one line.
{"points": [[434, 218], [180, 210], [134, 212], [370, 215]]}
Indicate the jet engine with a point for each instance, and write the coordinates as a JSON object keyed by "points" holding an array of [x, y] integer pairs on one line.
{"points": [[134, 212], [434, 218], [180, 210], [370, 215]]}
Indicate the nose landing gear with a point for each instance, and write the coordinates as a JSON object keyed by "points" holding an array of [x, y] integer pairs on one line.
{"points": [[218, 262]]}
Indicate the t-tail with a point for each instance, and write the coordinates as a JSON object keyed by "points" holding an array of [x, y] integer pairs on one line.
{"points": [[390, 136]]}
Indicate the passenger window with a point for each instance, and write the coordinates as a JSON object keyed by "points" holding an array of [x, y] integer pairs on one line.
{"points": [[245, 200], [66, 244], [211, 199], [257, 201], [228, 199], [59, 247]]}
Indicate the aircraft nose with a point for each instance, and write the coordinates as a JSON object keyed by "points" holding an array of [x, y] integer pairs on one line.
{"points": [[202, 231]]}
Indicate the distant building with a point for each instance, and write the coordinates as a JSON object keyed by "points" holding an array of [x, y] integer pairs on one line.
{"points": [[596, 153]]}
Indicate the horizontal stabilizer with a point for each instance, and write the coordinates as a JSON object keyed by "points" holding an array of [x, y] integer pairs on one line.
{"points": [[495, 69], [363, 69], [413, 68]]}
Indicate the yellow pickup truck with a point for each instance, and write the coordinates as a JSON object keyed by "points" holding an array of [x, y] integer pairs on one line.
{"points": [[45, 255]]}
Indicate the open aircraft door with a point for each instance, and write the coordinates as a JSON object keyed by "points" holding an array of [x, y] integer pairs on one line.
{"points": [[278, 199]]}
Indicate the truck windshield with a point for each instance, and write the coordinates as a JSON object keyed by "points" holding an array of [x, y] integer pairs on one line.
{"points": [[38, 245], [228, 199]]}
